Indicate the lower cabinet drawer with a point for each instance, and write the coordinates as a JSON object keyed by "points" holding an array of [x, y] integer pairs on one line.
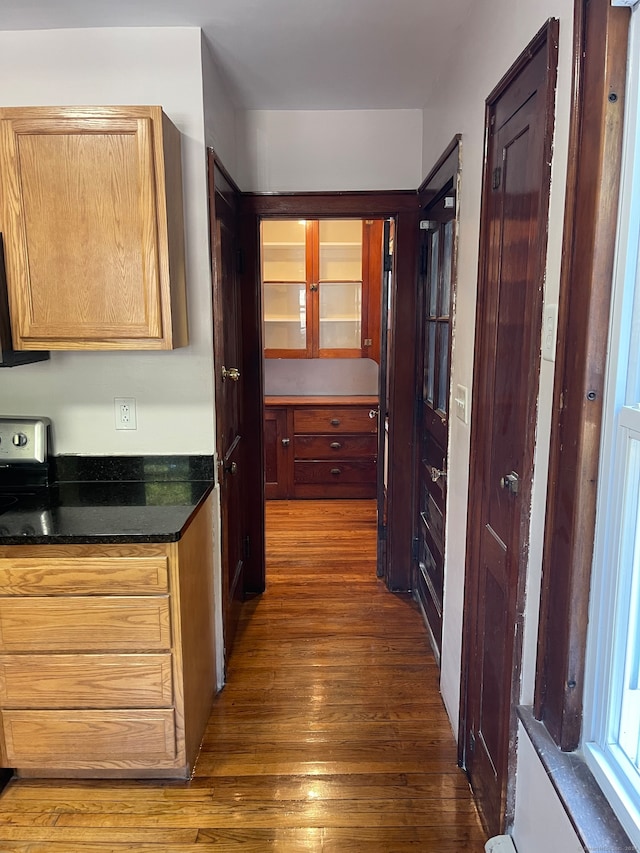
{"points": [[67, 738], [333, 420], [111, 623], [338, 446], [353, 471], [86, 681]]}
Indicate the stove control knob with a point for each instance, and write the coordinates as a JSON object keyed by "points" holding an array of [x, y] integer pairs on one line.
{"points": [[19, 439]]}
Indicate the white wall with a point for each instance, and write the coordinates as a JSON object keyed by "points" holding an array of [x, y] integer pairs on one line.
{"points": [[541, 822], [494, 35], [290, 151], [174, 390]]}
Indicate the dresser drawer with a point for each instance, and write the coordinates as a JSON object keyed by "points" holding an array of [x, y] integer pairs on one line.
{"points": [[334, 420], [352, 471], [83, 575], [335, 446], [86, 681], [76, 738], [103, 623]]}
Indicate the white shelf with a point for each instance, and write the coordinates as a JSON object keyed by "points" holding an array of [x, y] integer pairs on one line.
{"points": [[281, 319], [355, 318]]}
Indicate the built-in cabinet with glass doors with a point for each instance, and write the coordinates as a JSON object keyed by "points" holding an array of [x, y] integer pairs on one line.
{"points": [[321, 288]]}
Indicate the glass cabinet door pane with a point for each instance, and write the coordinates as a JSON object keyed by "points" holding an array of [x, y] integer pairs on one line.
{"points": [[340, 315], [285, 315], [340, 249], [284, 250], [443, 367], [447, 254], [428, 382], [433, 274]]}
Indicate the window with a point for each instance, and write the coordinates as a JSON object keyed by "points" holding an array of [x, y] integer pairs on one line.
{"points": [[611, 739]]}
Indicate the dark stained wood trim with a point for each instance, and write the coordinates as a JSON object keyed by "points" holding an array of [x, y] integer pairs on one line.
{"points": [[585, 292], [441, 170], [404, 207], [546, 39], [372, 204]]}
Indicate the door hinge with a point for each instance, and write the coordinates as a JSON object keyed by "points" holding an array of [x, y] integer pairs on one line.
{"points": [[246, 547], [387, 263], [415, 548], [472, 742], [497, 177], [239, 261]]}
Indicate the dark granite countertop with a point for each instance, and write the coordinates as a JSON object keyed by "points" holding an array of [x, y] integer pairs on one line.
{"points": [[157, 507]]}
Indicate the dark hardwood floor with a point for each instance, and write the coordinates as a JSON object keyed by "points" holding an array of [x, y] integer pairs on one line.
{"points": [[330, 735]]}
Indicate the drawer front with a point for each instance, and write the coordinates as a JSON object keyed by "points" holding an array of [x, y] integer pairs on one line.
{"points": [[86, 681], [66, 624], [335, 446], [67, 738], [329, 473], [78, 575], [334, 420]]}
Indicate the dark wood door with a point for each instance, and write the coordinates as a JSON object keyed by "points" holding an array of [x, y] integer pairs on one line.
{"points": [[384, 322], [506, 374], [433, 382], [227, 340]]}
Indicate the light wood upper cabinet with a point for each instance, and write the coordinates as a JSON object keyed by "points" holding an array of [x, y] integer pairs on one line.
{"points": [[92, 223]]}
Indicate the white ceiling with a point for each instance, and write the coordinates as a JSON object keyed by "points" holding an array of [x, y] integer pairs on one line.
{"points": [[290, 54]]}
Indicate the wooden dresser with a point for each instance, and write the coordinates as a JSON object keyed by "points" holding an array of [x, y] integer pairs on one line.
{"points": [[321, 447]]}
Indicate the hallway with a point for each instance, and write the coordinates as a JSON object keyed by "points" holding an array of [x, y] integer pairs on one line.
{"points": [[329, 736]]}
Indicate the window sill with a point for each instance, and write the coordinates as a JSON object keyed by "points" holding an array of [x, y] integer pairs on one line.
{"points": [[593, 819]]}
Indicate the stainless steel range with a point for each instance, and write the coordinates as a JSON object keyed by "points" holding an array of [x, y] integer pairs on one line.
{"points": [[25, 473]]}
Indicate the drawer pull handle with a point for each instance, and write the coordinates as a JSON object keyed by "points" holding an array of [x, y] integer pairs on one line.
{"points": [[335, 422], [335, 471], [335, 445]]}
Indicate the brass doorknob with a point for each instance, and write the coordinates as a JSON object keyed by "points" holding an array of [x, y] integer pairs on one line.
{"points": [[232, 373], [510, 482]]}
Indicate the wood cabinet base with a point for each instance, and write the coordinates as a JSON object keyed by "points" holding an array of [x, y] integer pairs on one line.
{"points": [[130, 699], [321, 447]]}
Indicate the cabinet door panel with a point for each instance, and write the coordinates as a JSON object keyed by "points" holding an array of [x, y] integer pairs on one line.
{"points": [[60, 624], [88, 575], [86, 681], [75, 738], [80, 228]]}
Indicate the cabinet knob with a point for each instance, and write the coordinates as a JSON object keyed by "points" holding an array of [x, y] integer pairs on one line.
{"points": [[286, 442], [336, 472], [334, 422], [313, 287], [335, 445]]}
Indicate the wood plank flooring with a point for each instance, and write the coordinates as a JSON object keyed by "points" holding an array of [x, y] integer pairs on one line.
{"points": [[329, 736]]}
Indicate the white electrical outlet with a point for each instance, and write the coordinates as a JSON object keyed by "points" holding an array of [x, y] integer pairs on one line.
{"points": [[125, 411], [461, 401]]}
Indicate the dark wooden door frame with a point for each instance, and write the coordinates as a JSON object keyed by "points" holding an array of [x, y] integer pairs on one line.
{"points": [[590, 227], [404, 207], [548, 34]]}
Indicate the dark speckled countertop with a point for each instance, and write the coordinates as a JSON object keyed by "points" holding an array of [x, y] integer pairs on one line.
{"points": [[111, 500]]}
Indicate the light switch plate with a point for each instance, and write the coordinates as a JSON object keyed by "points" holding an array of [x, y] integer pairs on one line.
{"points": [[549, 332], [461, 402]]}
